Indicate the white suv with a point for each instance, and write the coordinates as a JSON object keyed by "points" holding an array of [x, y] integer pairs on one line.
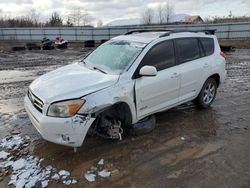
{"points": [[123, 81]]}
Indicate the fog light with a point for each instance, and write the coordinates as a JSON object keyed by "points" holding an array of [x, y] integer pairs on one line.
{"points": [[65, 138]]}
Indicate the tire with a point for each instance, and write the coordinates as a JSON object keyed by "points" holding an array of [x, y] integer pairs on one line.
{"points": [[144, 126], [207, 94]]}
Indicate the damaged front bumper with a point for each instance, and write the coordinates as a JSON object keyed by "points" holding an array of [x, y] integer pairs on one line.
{"points": [[65, 131]]}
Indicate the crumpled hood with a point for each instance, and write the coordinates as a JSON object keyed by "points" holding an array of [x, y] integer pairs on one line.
{"points": [[71, 81]]}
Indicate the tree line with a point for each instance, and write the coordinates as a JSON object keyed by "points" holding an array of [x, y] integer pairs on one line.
{"points": [[77, 17]]}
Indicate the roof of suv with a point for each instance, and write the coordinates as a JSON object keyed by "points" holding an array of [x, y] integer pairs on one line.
{"points": [[147, 37]]}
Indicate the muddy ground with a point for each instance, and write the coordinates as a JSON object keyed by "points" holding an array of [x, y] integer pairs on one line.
{"points": [[188, 148]]}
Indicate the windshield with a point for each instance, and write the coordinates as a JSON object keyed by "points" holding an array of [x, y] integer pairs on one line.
{"points": [[114, 56]]}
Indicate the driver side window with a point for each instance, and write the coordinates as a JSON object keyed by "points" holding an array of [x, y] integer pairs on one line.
{"points": [[160, 56]]}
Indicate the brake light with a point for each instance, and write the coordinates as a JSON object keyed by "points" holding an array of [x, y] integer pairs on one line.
{"points": [[223, 55]]}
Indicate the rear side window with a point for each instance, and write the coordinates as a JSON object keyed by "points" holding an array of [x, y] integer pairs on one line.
{"points": [[161, 56], [208, 45], [187, 49]]}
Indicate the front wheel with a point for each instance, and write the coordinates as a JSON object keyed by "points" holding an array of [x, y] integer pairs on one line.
{"points": [[207, 94]]}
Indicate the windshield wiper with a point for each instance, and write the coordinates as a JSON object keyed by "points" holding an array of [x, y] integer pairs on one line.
{"points": [[83, 61], [96, 68]]}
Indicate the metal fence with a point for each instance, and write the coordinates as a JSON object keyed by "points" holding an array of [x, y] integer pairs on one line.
{"points": [[74, 34]]}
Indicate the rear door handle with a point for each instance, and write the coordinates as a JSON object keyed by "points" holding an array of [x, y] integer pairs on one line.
{"points": [[205, 65], [174, 75]]}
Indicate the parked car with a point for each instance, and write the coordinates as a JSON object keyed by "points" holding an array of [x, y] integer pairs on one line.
{"points": [[125, 81], [60, 43], [47, 44]]}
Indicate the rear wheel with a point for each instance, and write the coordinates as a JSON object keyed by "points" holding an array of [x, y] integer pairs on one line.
{"points": [[207, 94]]}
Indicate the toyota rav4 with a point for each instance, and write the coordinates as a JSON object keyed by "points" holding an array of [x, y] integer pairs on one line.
{"points": [[124, 81]]}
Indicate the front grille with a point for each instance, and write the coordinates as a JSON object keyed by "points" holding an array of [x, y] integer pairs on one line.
{"points": [[37, 103]]}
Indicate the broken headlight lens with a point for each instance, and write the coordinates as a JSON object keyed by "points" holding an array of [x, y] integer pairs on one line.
{"points": [[65, 108]]}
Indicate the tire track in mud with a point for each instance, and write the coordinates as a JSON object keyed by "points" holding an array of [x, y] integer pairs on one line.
{"points": [[13, 89], [30, 59]]}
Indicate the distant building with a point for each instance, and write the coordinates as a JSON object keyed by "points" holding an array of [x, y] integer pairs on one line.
{"points": [[193, 19]]}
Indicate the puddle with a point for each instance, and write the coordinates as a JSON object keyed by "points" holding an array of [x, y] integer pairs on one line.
{"points": [[7, 76], [11, 105]]}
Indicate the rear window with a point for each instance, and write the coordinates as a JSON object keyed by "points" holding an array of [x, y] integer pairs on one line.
{"points": [[208, 45], [187, 49]]}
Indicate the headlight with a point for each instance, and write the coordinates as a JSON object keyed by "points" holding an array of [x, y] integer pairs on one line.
{"points": [[65, 108]]}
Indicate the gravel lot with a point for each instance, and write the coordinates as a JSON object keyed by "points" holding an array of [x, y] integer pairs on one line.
{"points": [[188, 148]]}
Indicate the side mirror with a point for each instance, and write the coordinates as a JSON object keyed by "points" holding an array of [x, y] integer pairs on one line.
{"points": [[148, 71]]}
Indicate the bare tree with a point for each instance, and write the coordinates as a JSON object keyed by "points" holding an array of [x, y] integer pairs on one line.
{"points": [[80, 17], [160, 12], [68, 22], [168, 12], [99, 23], [87, 19], [33, 15], [148, 16], [55, 20]]}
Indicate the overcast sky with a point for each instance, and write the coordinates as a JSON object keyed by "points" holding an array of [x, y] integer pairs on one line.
{"points": [[109, 10]]}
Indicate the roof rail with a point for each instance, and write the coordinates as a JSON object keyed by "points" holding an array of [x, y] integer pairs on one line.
{"points": [[169, 31], [145, 31], [207, 32]]}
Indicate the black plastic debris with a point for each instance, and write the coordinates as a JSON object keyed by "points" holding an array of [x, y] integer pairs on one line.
{"points": [[227, 48], [32, 46], [18, 48], [89, 43], [144, 126], [103, 41]]}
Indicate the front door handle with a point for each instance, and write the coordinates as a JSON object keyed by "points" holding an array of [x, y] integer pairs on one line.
{"points": [[174, 75], [205, 65]]}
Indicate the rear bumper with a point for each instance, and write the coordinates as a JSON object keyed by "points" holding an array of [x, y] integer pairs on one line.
{"points": [[65, 131], [223, 77]]}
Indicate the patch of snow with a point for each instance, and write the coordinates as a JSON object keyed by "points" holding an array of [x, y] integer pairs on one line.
{"points": [[30, 184], [93, 168], [45, 183], [91, 174], [68, 182], [74, 181], [27, 171], [64, 177], [19, 164], [11, 142], [3, 155], [25, 175], [64, 173], [104, 173], [90, 177], [55, 177], [49, 168], [20, 183], [101, 162], [6, 164], [47, 172]]}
